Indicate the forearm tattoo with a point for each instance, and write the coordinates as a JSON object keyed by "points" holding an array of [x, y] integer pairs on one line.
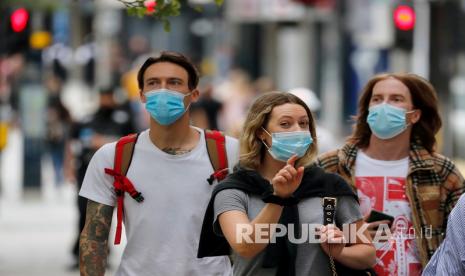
{"points": [[93, 245]]}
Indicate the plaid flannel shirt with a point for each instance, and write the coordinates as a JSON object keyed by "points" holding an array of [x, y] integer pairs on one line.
{"points": [[434, 186]]}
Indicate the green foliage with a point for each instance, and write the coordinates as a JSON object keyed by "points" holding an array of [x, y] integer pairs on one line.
{"points": [[162, 10]]}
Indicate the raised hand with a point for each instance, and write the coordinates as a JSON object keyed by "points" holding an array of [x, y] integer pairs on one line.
{"points": [[288, 179]]}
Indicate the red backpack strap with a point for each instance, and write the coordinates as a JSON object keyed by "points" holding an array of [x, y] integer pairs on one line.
{"points": [[216, 147], [123, 155]]}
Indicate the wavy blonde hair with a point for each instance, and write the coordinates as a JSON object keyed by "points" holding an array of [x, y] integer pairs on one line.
{"points": [[252, 150]]}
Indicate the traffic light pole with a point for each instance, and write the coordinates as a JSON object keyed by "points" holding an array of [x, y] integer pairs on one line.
{"points": [[444, 49], [421, 39]]}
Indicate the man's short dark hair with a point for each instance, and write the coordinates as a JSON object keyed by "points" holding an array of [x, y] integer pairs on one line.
{"points": [[171, 57]]}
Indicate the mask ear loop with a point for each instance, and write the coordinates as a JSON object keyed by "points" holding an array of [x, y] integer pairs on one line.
{"points": [[263, 140], [408, 112], [189, 105], [266, 131]]}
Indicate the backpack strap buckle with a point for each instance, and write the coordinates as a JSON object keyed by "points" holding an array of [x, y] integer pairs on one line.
{"points": [[218, 175], [123, 184]]}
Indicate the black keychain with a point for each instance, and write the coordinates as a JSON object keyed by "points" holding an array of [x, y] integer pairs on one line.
{"points": [[329, 211], [329, 208]]}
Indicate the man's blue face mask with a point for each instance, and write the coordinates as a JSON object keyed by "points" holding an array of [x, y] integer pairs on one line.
{"points": [[387, 121], [286, 144], [165, 106]]}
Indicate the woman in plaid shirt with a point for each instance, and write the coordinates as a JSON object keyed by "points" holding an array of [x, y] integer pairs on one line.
{"points": [[391, 161]]}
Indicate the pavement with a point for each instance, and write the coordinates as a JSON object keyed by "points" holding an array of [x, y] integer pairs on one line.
{"points": [[36, 236], [37, 226]]}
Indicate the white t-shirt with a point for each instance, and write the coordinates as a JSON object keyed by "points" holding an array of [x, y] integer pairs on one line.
{"points": [[163, 231], [381, 186]]}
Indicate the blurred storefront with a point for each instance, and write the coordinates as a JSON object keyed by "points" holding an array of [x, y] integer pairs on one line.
{"points": [[329, 46], [295, 44]]}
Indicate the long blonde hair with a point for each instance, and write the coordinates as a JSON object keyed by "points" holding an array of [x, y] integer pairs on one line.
{"points": [[252, 150]]}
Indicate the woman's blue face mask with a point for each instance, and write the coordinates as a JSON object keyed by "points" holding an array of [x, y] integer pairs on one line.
{"points": [[165, 106], [387, 121], [285, 144]]}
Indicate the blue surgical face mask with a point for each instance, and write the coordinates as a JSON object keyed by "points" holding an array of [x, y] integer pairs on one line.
{"points": [[286, 144], [387, 121], [165, 106]]}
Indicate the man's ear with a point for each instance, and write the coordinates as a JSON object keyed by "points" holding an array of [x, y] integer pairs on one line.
{"points": [[142, 96], [415, 116], [195, 95]]}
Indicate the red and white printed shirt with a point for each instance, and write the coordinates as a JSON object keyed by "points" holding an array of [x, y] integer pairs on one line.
{"points": [[381, 186]]}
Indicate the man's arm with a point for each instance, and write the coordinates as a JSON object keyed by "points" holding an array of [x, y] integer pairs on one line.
{"points": [[449, 257], [93, 245]]}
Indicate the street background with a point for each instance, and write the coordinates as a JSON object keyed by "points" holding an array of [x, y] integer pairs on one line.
{"points": [[55, 56]]}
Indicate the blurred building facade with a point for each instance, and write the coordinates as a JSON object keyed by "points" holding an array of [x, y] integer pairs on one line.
{"points": [[329, 46]]}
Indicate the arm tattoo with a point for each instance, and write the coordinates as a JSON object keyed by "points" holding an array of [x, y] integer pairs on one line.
{"points": [[93, 245], [175, 151]]}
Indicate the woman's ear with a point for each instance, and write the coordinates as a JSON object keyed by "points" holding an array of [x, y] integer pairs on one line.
{"points": [[261, 134]]}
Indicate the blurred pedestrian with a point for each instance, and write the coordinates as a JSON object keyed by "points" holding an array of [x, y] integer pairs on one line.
{"points": [[169, 167], [236, 93], [130, 86], [58, 126], [392, 162], [326, 140], [276, 182], [264, 84], [107, 124], [204, 113]]}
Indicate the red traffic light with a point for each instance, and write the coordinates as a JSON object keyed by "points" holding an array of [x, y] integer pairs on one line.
{"points": [[404, 17], [19, 19]]}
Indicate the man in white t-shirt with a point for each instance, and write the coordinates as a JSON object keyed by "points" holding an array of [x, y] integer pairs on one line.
{"points": [[391, 162], [170, 167]]}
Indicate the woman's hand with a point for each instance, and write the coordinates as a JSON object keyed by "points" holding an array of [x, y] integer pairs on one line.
{"points": [[332, 238], [288, 179]]}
